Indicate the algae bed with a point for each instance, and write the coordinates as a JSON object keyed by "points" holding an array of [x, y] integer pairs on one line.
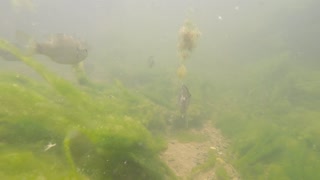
{"points": [[269, 111], [272, 117], [63, 132]]}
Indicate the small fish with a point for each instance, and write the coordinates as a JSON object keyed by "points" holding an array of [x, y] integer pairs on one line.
{"points": [[151, 61], [184, 99], [62, 48]]}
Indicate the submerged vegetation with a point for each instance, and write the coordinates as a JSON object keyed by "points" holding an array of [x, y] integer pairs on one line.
{"points": [[272, 119], [269, 110], [63, 132], [255, 78]]}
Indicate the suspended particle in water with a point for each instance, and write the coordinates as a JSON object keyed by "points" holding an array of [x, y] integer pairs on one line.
{"points": [[49, 146]]}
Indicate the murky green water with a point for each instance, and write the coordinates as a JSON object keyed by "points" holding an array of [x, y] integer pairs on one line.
{"points": [[251, 68]]}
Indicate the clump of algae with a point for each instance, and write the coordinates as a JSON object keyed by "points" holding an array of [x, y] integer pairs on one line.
{"points": [[181, 71], [188, 35], [94, 135]]}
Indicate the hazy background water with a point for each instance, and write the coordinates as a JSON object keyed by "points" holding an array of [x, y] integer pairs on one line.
{"points": [[128, 32]]}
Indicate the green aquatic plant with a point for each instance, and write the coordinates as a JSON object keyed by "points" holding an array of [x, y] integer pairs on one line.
{"points": [[62, 86], [28, 165], [272, 120], [95, 133], [221, 173], [205, 166]]}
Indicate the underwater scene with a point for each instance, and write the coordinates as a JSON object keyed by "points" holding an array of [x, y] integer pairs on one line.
{"points": [[159, 90]]}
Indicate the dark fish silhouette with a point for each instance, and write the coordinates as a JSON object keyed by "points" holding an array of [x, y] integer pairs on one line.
{"points": [[184, 99], [63, 49], [60, 48]]}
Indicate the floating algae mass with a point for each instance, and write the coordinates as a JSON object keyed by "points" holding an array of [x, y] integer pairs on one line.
{"points": [[188, 35], [181, 71], [62, 132]]}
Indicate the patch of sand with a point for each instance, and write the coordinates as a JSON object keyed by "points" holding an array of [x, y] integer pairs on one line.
{"points": [[183, 157]]}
